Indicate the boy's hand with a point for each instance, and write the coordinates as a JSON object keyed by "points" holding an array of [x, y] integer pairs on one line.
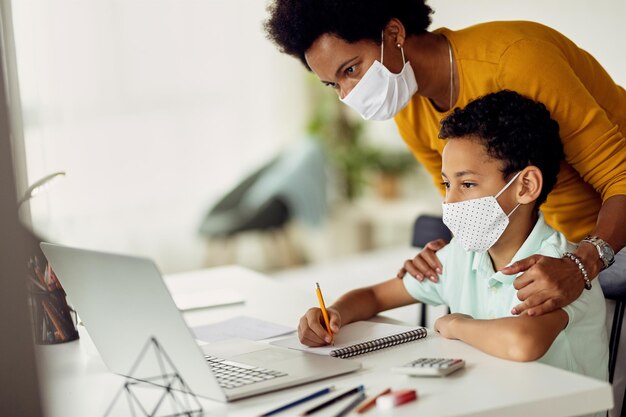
{"points": [[443, 324], [425, 264], [547, 284], [312, 330]]}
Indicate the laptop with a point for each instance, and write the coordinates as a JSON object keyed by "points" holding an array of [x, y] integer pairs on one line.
{"points": [[123, 302]]}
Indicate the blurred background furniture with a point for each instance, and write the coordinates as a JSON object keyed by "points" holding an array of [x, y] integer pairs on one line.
{"points": [[428, 228], [292, 186], [613, 284]]}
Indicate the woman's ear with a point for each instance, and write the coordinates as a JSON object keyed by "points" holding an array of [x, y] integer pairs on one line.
{"points": [[530, 185], [394, 32]]}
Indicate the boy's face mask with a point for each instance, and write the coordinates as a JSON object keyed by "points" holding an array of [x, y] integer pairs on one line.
{"points": [[478, 223], [381, 94]]}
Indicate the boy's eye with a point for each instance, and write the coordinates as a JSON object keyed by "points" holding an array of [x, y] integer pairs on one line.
{"points": [[351, 70], [331, 85]]}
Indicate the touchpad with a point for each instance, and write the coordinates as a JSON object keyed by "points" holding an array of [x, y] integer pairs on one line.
{"points": [[266, 356]]}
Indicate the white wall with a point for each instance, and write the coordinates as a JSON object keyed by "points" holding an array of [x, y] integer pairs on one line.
{"points": [[596, 26], [154, 109]]}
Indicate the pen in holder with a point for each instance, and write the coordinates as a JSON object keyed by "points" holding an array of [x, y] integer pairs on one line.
{"points": [[53, 320]]}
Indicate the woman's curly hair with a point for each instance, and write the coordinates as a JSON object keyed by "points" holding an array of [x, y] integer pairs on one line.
{"points": [[294, 25], [514, 129]]}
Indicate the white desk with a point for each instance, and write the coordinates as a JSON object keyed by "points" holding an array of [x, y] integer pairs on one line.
{"points": [[76, 382]]}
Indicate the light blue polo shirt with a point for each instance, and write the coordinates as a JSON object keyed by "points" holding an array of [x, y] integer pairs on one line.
{"points": [[469, 285]]}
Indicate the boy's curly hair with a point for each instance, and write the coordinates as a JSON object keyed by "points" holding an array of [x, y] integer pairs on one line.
{"points": [[514, 129]]}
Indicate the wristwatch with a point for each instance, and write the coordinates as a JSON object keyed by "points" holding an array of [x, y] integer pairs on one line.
{"points": [[607, 255]]}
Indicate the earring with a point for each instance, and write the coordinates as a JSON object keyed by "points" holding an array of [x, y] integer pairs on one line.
{"points": [[399, 45]]}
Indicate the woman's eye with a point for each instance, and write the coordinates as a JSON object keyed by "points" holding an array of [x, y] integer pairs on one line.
{"points": [[446, 185], [351, 70], [331, 85], [468, 184]]}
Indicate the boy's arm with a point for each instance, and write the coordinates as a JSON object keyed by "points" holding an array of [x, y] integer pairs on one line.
{"points": [[364, 303], [523, 338], [360, 304]]}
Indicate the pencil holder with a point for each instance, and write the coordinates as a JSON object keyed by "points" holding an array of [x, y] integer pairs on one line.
{"points": [[53, 320]]}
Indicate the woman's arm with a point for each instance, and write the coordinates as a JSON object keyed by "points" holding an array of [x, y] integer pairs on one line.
{"points": [[551, 283], [522, 338], [594, 147]]}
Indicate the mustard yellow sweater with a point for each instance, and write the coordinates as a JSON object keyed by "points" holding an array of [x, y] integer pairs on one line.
{"points": [[544, 65]]}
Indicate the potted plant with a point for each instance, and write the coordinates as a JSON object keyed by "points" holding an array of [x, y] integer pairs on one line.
{"points": [[389, 167]]}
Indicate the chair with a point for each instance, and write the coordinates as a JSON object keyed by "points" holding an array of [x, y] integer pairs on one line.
{"points": [[425, 229], [229, 216], [613, 283], [290, 186]]}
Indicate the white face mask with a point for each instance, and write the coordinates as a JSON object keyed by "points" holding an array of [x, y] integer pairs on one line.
{"points": [[381, 94], [477, 223]]}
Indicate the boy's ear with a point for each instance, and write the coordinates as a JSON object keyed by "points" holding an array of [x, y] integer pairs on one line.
{"points": [[530, 185]]}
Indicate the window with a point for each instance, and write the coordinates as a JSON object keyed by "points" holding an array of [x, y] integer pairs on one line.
{"points": [[154, 109]]}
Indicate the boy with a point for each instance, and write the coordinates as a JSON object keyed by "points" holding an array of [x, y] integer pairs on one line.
{"points": [[500, 161]]}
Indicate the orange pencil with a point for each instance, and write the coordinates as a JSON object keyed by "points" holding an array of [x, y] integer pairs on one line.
{"points": [[323, 308], [371, 402]]}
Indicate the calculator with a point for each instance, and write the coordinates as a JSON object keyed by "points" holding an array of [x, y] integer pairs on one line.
{"points": [[430, 367]]}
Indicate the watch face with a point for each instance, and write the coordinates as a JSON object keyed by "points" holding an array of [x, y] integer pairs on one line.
{"points": [[607, 252]]}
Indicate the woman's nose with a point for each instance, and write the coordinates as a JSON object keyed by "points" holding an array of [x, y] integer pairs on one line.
{"points": [[344, 91], [346, 86]]}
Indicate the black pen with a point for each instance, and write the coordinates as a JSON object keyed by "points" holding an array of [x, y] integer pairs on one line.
{"points": [[333, 400], [298, 402], [358, 400]]}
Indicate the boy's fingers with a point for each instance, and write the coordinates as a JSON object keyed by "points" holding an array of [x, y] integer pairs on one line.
{"points": [[312, 341], [335, 322], [307, 336], [314, 320]]}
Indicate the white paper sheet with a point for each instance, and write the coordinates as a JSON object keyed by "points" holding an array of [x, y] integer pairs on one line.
{"points": [[242, 327], [206, 299]]}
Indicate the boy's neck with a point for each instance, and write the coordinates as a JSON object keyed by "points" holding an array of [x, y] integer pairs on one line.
{"points": [[521, 223]]}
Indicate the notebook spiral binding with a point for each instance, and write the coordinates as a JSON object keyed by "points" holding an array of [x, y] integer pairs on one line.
{"points": [[377, 344]]}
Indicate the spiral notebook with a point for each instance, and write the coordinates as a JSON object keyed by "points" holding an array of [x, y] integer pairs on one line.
{"points": [[358, 338]]}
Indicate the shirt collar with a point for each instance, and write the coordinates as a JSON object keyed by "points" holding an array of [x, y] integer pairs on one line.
{"points": [[482, 264]]}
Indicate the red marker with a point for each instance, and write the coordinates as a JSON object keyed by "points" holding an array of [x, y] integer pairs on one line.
{"points": [[388, 401]]}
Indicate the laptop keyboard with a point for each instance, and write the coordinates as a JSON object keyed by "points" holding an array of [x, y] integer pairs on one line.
{"points": [[234, 375]]}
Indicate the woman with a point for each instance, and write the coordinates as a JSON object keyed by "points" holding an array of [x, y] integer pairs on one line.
{"points": [[382, 61]]}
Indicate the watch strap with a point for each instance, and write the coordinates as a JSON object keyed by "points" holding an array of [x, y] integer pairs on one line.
{"points": [[605, 251]]}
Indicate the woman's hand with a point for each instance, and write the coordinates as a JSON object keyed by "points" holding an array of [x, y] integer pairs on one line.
{"points": [[425, 264], [547, 284], [312, 330], [443, 324]]}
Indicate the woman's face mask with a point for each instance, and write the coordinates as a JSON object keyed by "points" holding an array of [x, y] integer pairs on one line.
{"points": [[477, 223], [381, 94]]}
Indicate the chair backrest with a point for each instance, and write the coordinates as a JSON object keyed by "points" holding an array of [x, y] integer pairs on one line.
{"points": [[427, 228], [613, 283]]}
